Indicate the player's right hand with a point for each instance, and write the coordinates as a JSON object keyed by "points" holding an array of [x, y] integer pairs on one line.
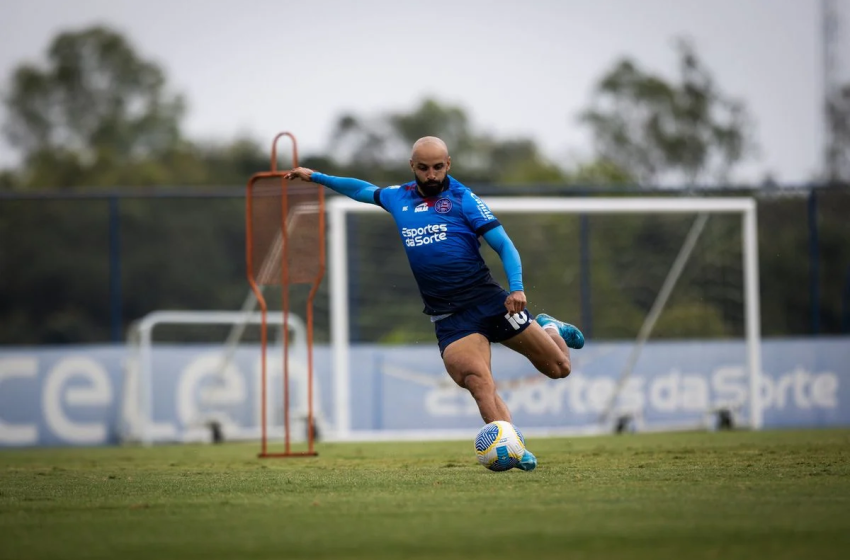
{"points": [[516, 302], [299, 173]]}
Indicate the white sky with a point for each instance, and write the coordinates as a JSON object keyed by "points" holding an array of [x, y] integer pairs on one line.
{"points": [[519, 68]]}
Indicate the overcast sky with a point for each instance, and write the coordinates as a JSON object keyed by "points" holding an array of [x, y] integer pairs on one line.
{"points": [[519, 68]]}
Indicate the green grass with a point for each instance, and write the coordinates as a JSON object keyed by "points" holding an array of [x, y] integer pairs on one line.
{"points": [[725, 495]]}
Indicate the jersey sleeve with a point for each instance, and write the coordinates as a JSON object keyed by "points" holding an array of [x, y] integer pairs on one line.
{"points": [[356, 189], [500, 242], [383, 196], [478, 214]]}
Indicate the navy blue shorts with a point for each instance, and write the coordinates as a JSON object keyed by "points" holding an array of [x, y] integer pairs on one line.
{"points": [[490, 319]]}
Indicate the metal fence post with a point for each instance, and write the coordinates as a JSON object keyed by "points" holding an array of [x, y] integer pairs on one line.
{"points": [[814, 261], [115, 298]]}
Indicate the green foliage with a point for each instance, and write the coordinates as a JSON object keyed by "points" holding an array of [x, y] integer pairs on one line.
{"points": [[8, 180], [690, 320], [448, 122], [51, 292], [192, 243], [94, 115], [834, 261], [378, 149], [600, 173], [784, 270], [659, 130]]}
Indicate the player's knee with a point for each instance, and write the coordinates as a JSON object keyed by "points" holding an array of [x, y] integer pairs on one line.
{"points": [[557, 369], [564, 368], [479, 386]]}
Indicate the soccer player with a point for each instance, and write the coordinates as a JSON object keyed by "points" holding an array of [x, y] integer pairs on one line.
{"points": [[440, 222]]}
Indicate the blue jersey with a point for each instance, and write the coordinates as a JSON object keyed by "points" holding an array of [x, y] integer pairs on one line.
{"points": [[440, 235]]}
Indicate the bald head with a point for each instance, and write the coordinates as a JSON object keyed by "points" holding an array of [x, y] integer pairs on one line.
{"points": [[431, 145]]}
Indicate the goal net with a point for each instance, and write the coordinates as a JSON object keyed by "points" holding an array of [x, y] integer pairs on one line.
{"points": [[665, 290]]}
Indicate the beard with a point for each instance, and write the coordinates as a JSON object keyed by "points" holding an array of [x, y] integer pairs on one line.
{"points": [[431, 188]]}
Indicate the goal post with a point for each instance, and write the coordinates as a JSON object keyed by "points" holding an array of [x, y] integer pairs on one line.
{"points": [[340, 210]]}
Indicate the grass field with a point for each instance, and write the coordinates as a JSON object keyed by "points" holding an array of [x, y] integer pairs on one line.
{"points": [[724, 495]]}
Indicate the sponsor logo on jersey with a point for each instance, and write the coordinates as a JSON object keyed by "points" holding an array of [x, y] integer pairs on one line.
{"points": [[422, 207], [443, 206], [485, 211], [426, 235], [404, 209]]}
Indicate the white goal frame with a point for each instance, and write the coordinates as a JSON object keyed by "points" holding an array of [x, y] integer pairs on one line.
{"points": [[136, 422], [339, 208]]}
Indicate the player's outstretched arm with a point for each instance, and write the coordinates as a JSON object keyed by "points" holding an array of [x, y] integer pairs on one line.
{"points": [[360, 191], [498, 239]]}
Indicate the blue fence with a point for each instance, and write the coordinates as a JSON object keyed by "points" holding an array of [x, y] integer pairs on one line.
{"points": [[75, 395]]}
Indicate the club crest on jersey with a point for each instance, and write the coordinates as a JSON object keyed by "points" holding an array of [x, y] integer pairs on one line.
{"points": [[422, 207], [443, 206]]}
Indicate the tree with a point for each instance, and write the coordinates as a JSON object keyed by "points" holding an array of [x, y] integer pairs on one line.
{"points": [[838, 150], [658, 131], [451, 123], [378, 148], [599, 173], [96, 106], [8, 179]]}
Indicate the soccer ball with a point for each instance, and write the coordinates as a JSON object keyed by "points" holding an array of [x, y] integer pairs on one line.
{"points": [[499, 446]]}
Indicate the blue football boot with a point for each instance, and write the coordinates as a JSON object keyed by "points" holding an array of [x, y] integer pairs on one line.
{"points": [[571, 335], [528, 462]]}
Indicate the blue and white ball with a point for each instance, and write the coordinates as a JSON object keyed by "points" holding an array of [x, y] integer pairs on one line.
{"points": [[499, 446]]}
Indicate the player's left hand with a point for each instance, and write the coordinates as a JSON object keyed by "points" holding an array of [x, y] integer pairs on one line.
{"points": [[516, 302]]}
